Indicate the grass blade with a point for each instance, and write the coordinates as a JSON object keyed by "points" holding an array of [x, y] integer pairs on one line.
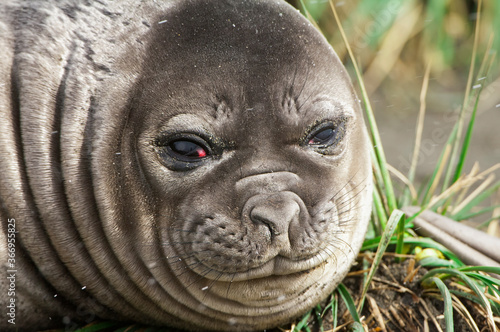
{"points": [[334, 307], [437, 262], [400, 236], [471, 298], [472, 285], [395, 218], [418, 136], [436, 175], [462, 211], [488, 269], [466, 143], [349, 302], [319, 318], [466, 98], [448, 307], [378, 208], [303, 322], [459, 216]]}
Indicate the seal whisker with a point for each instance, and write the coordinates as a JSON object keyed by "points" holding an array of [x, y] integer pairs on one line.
{"points": [[202, 275], [169, 243], [341, 204], [229, 285], [346, 245], [346, 222], [348, 209], [188, 268], [352, 189], [345, 185], [336, 244], [330, 253], [207, 288]]}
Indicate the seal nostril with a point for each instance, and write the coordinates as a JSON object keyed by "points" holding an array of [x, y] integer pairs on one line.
{"points": [[268, 223], [276, 212]]}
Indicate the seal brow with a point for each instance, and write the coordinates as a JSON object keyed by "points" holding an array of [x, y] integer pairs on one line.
{"points": [[291, 95], [221, 106], [301, 90]]}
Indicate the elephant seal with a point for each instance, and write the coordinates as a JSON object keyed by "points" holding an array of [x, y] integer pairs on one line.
{"points": [[200, 164]]}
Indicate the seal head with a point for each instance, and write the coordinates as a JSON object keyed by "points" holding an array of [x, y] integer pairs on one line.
{"points": [[263, 197]]}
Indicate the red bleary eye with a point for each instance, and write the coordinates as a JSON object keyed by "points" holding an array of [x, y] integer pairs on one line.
{"points": [[201, 153], [188, 149]]}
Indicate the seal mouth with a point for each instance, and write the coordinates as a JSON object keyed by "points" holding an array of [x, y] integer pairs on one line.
{"points": [[278, 266], [252, 294]]}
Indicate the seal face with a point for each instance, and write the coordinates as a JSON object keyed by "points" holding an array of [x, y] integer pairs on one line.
{"points": [[203, 164]]}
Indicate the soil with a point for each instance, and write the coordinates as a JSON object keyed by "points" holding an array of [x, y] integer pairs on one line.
{"points": [[397, 304]]}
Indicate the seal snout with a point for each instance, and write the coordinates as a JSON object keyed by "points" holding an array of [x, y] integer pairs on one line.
{"points": [[276, 211], [278, 218]]}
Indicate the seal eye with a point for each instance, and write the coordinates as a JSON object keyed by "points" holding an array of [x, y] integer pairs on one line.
{"points": [[322, 137], [327, 135], [183, 149]]}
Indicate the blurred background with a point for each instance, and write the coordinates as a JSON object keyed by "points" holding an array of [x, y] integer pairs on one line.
{"points": [[394, 41]]}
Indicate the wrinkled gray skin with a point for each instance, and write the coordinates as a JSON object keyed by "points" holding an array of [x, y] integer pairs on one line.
{"points": [[111, 223]]}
